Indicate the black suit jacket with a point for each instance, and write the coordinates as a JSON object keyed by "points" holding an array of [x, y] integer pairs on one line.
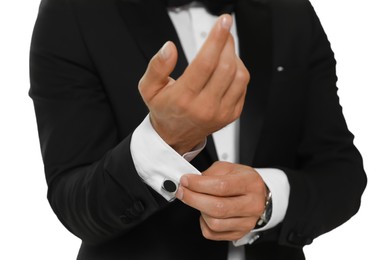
{"points": [[87, 57]]}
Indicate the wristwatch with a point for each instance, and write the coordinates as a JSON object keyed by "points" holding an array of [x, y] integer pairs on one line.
{"points": [[266, 216]]}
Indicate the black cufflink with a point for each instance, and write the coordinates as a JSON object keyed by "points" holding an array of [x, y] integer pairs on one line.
{"points": [[169, 186]]}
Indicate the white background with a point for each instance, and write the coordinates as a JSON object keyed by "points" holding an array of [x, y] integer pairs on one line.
{"points": [[359, 32]]}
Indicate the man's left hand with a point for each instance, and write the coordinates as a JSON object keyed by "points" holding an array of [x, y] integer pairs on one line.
{"points": [[231, 198]]}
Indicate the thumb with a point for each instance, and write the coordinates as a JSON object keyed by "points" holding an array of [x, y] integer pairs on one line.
{"points": [[157, 73]]}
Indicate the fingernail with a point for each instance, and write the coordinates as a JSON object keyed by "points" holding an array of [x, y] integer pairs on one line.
{"points": [[165, 51], [179, 193], [184, 181], [226, 22]]}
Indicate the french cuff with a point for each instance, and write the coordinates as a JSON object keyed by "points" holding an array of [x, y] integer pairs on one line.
{"points": [[158, 164], [277, 182]]}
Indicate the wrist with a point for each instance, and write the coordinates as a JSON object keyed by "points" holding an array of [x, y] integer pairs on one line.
{"points": [[181, 144]]}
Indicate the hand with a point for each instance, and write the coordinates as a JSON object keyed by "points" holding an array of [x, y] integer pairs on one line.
{"points": [[230, 197], [208, 95]]}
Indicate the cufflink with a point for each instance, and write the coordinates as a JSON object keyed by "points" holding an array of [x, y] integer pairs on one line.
{"points": [[169, 186]]}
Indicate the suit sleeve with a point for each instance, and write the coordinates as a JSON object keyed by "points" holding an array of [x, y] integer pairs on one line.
{"points": [[93, 186], [327, 185]]}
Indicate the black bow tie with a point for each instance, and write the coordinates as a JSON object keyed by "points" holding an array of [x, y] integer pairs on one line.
{"points": [[215, 7]]}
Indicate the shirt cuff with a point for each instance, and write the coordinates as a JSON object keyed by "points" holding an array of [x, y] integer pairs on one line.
{"points": [[157, 162], [277, 182]]}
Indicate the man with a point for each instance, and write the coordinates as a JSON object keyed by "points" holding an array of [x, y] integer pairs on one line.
{"points": [[123, 128]]}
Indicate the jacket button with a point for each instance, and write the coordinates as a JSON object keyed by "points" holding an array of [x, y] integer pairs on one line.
{"points": [[299, 239]]}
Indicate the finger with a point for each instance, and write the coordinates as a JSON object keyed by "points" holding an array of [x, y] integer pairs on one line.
{"points": [[235, 94], [217, 185], [219, 236], [219, 207], [241, 224], [205, 62], [157, 73], [224, 73]]}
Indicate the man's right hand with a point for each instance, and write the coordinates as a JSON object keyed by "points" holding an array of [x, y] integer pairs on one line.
{"points": [[208, 96]]}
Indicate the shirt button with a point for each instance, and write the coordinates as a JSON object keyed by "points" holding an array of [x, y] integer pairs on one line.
{"points": [[203, 34], [225, 156]]}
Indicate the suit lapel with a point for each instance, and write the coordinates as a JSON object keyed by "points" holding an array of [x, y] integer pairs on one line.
{"points": [[149, 23], [255, 41]]}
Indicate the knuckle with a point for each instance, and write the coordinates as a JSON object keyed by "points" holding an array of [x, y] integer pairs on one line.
{"points": [[205, 113], [215, 224], [237, 235], [258, 208], [243, 75], [227, 68], [206, 66], [206, 233], [249, 225], [256, 205], [226, 116], [223, 188], [220, 210], [182, 105]]}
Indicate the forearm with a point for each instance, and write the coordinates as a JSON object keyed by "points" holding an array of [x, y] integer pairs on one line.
{"points": [[100, 201], [92, 182]]}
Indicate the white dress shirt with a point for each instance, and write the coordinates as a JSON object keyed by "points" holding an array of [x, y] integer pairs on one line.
{"points": [[156, 161]]}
